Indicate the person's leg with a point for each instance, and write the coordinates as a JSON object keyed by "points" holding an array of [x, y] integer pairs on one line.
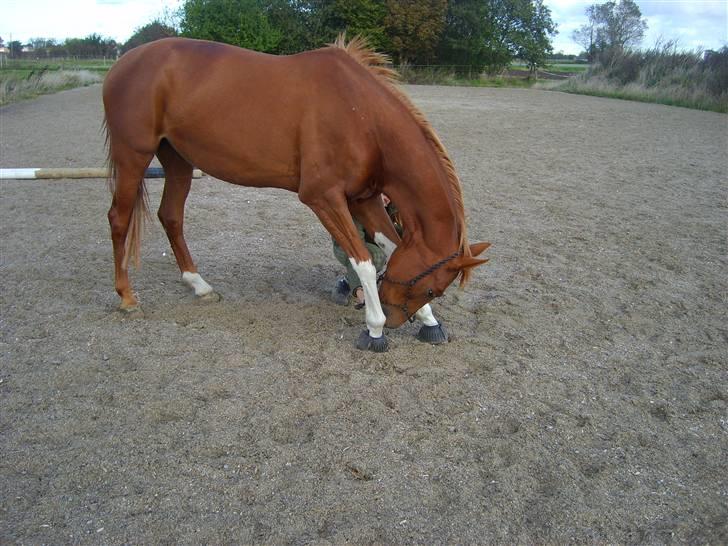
{"points": [[341, 292]]}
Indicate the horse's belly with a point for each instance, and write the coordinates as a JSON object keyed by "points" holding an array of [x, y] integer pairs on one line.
{"points": [[243, 161]]}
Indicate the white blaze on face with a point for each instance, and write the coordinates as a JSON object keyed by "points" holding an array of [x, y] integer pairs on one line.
{"points": [[425, 316], [374, 315], [197, 283], [385, 244]]}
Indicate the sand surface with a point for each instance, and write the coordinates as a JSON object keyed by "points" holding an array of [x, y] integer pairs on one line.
{"points": [[584, 395]]}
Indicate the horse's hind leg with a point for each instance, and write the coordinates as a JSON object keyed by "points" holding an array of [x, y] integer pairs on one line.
{"points": [[178, 179], [126, 216]]}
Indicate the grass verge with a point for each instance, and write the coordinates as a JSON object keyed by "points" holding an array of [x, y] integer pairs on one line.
{"points": [[673, 95], [19, 83]]}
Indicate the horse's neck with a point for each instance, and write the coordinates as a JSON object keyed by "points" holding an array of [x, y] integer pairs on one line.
{"points": [[426, 207]]}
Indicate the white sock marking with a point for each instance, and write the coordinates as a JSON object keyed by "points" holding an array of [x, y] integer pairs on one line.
{"points": [[197, 283], [385, 244], [374, 315], [425, 316]]}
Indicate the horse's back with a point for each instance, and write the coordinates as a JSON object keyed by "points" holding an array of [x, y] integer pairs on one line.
{"points": [[222, 107]]}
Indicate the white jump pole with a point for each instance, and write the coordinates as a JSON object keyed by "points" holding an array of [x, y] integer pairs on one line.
{"points": [[57, 174]]}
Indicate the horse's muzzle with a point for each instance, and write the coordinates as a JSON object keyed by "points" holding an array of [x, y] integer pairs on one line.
{"points": [[394, 316]]}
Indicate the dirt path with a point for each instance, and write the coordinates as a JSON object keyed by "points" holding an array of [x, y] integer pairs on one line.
{"points": [[584, 396]]}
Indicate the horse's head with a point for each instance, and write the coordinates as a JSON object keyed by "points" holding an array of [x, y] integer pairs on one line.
{"points": [[409, 283]]}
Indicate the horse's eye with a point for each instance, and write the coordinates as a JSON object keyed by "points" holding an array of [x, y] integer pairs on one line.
{"points": [[430, 293]]}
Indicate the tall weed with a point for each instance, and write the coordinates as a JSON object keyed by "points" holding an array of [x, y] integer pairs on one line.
{"points": [[18, 85], [662, 74]]}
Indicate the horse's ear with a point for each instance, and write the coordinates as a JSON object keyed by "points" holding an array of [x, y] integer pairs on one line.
{"points": [[478, 248], [468, 262], [465, 262]]}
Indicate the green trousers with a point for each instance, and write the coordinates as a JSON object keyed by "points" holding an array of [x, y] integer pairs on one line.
{"points": [[379, 259]]}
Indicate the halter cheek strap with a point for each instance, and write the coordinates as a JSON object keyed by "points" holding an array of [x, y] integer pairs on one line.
{"points": [[413, 281]]}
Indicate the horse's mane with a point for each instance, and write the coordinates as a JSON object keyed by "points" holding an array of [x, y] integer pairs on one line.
{"points": [[379, 65]]}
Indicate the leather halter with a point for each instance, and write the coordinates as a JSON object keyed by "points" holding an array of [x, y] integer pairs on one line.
{"points": [[413, 281]]}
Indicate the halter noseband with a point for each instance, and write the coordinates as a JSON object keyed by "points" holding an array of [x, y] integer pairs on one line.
{"points": [[414, 280]]}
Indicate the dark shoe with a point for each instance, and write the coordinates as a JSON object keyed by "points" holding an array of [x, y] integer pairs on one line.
{"points": [[340, 293]]}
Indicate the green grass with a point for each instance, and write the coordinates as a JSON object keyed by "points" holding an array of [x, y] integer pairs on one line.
{"points": [[567, 68], [499, 81], [560, 68], [446, 76]]}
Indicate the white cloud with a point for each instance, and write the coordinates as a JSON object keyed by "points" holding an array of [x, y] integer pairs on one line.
{"points": [[60, 19], [693, 23]]}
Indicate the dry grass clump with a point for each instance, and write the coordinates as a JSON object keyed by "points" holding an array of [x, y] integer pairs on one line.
{"points": [[19, 85]]}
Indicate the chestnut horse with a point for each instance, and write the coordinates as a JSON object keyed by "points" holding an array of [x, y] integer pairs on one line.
{"points": [[329, 124]]}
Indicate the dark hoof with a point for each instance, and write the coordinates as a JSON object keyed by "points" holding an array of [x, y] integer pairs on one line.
{"points": [[369, 343], [433, 334]]}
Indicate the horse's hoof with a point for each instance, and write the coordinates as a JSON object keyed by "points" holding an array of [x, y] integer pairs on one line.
{"points": [[374, 344], [210, 297], [434, 335]]}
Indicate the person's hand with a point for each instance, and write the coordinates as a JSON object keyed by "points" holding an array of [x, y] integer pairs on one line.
{"points": [[358, 297]]}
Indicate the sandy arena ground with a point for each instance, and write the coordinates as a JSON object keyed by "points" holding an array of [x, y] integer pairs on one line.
{"points": [[583, 397]]}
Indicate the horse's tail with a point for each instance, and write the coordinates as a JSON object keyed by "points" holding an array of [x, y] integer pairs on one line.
{"points": [[139, 212]]}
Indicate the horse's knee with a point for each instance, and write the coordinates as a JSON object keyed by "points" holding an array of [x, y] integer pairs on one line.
{"points": [[169, 222], [116, 223]]}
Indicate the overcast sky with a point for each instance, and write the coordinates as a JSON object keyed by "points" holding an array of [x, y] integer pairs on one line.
{"points": [[694, 23]]}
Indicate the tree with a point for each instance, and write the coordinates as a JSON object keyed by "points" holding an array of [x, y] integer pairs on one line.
{"points": [[612, 27], [294, 20], [414, 28], [470, 39], [150, 32], [624, 24], [42, 46], [482, 34], [93, 45], [16, 49], [355, 17], [586, 35], [531, 35], [242, 23]]}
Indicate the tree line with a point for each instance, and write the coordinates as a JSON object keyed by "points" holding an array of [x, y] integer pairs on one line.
{"points": [[92, 46], [473, 34], [481, 34]]}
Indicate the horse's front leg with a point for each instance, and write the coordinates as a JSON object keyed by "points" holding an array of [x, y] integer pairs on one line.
{"points": [[432, 331], [373, 338], [373, 216], [333, 212]]}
